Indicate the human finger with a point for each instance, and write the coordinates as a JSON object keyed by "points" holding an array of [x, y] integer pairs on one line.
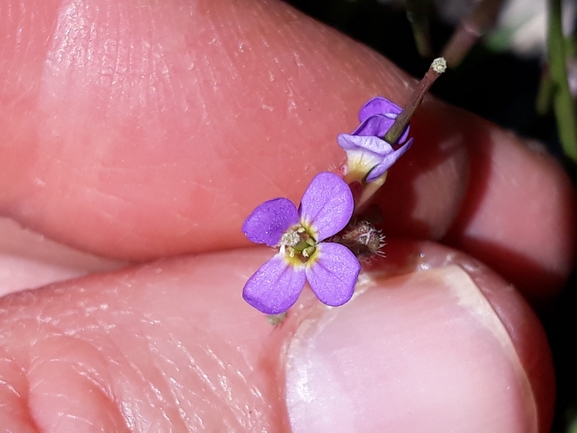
{"points": [[135, 153], [171, 344]]}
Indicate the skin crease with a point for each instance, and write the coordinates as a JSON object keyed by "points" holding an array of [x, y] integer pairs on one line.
{"points": [[28, 259], [138, 133]]}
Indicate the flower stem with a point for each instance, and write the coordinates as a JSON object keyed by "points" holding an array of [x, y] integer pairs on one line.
{"points": [[435, 70], [470, 30]]}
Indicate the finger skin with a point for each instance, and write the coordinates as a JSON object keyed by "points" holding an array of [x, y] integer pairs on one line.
{"points": [[513, 207], [142, 132], [520, 216], [519, 320], [137, 133], [171, 345]]}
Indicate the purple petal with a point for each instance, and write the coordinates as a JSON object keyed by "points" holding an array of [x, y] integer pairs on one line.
{"points": [[333, 275], [378, 105], [361, 160], [369, 144], [327, 205], [377, 125], [275, 287], [269, 221], [388, 161]]}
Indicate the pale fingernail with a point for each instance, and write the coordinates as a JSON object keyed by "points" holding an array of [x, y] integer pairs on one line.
{"points": [[419, 352]]}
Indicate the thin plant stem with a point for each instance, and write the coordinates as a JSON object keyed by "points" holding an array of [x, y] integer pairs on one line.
{"points": [[396, 130], [470, 30]]}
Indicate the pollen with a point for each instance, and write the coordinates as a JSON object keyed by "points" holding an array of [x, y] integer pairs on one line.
{"points": [[290, 238]]}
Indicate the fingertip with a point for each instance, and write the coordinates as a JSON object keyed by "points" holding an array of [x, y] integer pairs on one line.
{"points": [[429, 344], [519, 216], [477, 188]]}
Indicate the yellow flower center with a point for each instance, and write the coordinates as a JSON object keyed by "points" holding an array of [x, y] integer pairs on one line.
{"points": [[297, 245]]}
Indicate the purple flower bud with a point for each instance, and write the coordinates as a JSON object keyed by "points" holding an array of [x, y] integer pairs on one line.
{"points": [[367, 151]]}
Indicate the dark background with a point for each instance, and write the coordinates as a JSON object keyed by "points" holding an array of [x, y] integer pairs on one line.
{"points": [[498, 86], [501, 87]]}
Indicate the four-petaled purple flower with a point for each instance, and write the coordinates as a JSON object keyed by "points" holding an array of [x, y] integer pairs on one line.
{"points": [[367, 151], [331, 269]]}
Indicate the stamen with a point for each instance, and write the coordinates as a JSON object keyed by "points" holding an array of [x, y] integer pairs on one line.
{"points": [[290, 238]]}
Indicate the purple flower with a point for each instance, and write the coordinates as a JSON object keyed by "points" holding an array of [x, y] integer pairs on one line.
{"points": [[367, 151], [331, 269]]}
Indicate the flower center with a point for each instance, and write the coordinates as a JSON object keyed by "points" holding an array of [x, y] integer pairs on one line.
{"points": [[296, 243]]}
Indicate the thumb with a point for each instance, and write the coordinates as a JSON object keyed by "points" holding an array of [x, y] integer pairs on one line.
{"points": [[422, 351], [442, 346]]}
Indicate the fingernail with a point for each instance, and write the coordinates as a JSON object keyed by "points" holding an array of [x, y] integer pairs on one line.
{"points": [[419, 352]]}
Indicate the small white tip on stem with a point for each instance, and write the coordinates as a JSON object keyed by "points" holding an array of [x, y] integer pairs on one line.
{"points": [[439, 65]]}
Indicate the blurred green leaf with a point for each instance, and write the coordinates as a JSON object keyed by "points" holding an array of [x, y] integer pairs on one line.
{"points": [[545, 94], [562, 101], [418, 13]]}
